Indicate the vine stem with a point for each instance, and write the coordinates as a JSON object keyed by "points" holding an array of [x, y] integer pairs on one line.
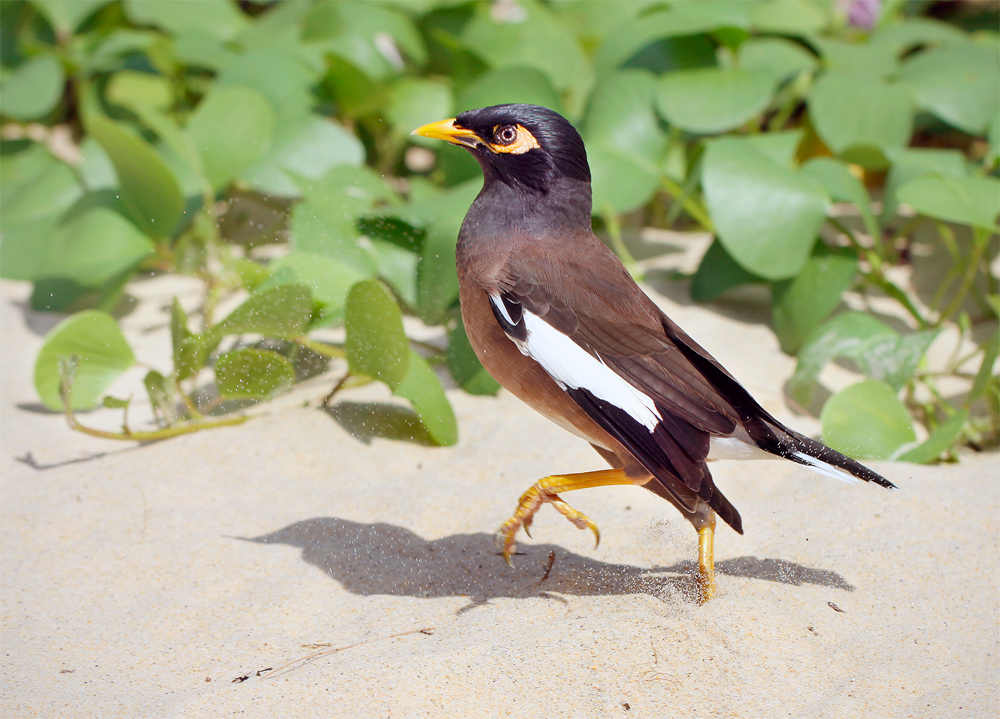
{"points": [[320, 348], [153, 435], [689, 203]]}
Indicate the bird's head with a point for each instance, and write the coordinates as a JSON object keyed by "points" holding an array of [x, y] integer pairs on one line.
{"points": [[518, 145]]}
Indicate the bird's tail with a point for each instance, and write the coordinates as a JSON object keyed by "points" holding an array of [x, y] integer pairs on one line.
{"points": [[824, 460]]}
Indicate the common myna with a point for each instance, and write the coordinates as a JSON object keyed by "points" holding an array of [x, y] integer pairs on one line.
{"points": [[554, 316]]}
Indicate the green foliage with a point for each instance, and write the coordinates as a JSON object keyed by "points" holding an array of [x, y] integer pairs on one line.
{"points": [[264, 148]]}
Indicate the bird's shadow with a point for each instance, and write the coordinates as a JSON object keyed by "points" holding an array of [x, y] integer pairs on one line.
{"points": [[369, 559]]}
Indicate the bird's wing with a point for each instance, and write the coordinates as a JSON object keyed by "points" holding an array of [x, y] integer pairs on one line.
{"points": [[625, 363]]}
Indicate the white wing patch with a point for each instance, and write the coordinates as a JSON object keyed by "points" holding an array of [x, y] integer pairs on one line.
{"points": [[573, 367]]}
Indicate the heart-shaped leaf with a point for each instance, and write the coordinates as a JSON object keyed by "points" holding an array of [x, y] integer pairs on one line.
{"points": [[801, 303], [282, 311], [712, 99], [959, 83], [376, 343], [149, 190], [860, 116], [101, 355], [232, 129], [766, 215], [969, 200], [33, 89], [465, 366], [867, 421], [422, 388], [253, 374]]}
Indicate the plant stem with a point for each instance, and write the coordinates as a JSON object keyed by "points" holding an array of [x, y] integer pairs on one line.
{"points": [[320, 348], [690, 204], [153, 435], [980, 238]]}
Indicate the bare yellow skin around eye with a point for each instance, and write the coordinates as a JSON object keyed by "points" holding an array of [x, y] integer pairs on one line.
{"points": [[522, 143]]}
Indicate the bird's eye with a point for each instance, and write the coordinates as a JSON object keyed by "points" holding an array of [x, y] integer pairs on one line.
{"points": [[505, 134]]}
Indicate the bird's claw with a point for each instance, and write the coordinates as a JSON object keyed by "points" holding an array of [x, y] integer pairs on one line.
{"points": [[530, 503]]}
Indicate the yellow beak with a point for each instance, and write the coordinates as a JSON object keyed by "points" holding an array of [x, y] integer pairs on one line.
{"points": [[447, 130]]}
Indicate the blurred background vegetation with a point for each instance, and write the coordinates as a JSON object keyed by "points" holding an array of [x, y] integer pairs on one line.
{"points": [[839, 156]]}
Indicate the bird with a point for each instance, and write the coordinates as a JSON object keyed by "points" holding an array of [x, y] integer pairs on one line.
{"points": [[554, 316]]}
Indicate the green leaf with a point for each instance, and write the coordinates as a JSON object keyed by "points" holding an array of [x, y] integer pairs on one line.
{"points": [[424, 391], [437, 278], [414, 102], [682, 19], [620, 114], [843, 186], [874, 59], [231, 129], [281, 311], [376, 344], [149, 189], [623, 179], [844, 335], [893, 359], [36, 190], [860, 116], [495, 88], [398, 267], [220, 18], [353, 31], [909, 32], [990, 351], [940, 440], [67, 15], [102, 353], [537, 40], [780, 146], [161, 396], [913, 162], [94, 246], [801, 303], [130, 89], [308, 147], [278, 74], [33, 89], [328, 280], [326, 221], [188, 357], [867, 421], [969, 200], [718, 273], [712, 100], [878, 351], [789, 17], [776, 57], [959, 83], [116, 403], [766, 215], [465, 367], [253, 374]]}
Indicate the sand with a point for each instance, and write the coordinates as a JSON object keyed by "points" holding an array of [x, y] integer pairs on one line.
{"points": [[158, 580]]}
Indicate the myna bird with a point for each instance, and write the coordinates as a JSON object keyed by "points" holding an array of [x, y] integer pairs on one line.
{"points": [[554, 316]]}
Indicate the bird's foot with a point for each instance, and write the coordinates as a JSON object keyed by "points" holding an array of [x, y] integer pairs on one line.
{"points": [[530, 502], [706, 560]]}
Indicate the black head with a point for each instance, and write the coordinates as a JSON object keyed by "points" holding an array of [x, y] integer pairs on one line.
{"points": [[519, 145]]}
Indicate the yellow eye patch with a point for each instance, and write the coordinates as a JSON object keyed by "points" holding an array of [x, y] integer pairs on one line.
{"points": [[523, 141]]}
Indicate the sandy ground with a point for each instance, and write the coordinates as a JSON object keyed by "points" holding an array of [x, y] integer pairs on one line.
{"points": [[145, 581]]}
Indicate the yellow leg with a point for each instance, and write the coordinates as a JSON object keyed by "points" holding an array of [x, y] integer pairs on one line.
{"points": [[546, 491], [706, 561]]}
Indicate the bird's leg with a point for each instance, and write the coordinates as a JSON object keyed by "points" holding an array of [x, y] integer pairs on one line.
{"points": [[706, 561], [546, 491]]}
